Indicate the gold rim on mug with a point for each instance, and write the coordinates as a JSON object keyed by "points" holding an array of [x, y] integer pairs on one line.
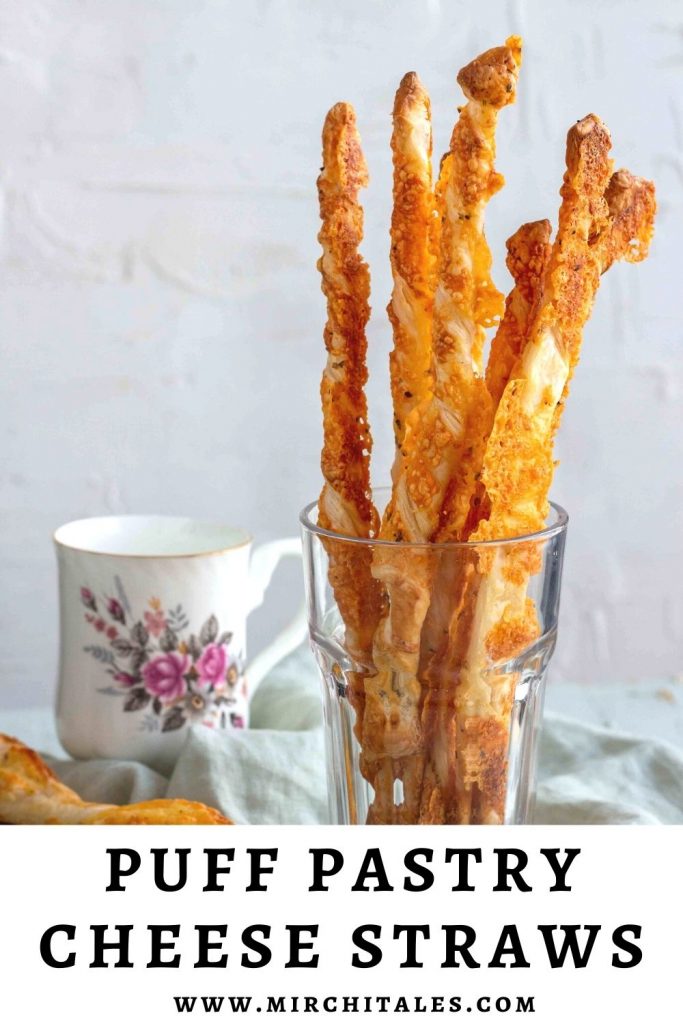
{"points": [[247, 538]]}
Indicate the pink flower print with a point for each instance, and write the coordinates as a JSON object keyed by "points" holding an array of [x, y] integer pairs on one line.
{"points": [[112, 632], [164, 676], [212, 664], [125, 678], [116, 611], [88, 598], [155, 622], [99, 625]]}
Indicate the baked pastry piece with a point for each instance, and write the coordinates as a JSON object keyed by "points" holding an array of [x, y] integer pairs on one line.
{"points": [[433, 641], [31, 794], [444, 432], [345, 504], [415, 227], [603, 217]]}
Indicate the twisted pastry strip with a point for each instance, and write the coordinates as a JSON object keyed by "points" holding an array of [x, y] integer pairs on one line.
{"points": [[465, 302], [626, 236], [345, 505], [518, 467], [483, 704], [486, 303], [415, 232], [448, 616], [446, 428], [345, 502], [518, 463], [528, 251], [375, 764], [414, 227]]}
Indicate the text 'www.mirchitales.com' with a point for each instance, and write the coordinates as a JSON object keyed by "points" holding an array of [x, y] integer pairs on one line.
{"points": [[354, 1004]]}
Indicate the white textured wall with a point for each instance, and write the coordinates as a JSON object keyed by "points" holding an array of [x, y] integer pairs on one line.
{"points": [[160, 314]]}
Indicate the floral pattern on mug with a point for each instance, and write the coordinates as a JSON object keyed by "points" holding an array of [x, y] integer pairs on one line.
{"points": [[164, 676], [213, 665], [158, 665]]}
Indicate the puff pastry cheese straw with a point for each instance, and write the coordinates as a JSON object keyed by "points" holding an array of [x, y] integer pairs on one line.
{"points": [[31, 794], [345, 502], [600, 221], [345, 505], [528, 251], [414, 239], [414, 230], [448, 426], [432, 628]]}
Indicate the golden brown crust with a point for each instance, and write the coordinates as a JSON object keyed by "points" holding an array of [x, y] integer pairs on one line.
{"points": [[31, 794], [489, 82], [601, 219], [345, 504], [491, 78], [413, 253], [345, 459], [517, 467], [448, 427], [466, 301], [528, 251], [512, 633], [624, 233], [435, 694], [593, 233], [25, 781], [632, 207], [485, 744], [159, 812]]}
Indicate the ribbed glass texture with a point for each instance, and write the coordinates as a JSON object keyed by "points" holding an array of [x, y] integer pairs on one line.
{"points": [[432, 676]]}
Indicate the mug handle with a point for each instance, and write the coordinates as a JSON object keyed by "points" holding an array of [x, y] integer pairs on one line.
{"points": [[264, 561]]}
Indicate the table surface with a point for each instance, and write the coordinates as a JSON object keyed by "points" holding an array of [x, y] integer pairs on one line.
{"points": [[653, 709]]}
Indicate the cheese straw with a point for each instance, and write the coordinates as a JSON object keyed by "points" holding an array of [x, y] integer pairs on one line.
{"points": [[528, 253], [442, 432], [601, 220], [434, 617], [414, 234], [345, 505], [31, 794]]}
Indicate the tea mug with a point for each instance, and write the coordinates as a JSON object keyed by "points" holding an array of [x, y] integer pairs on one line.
{"points": [[153, 613]]}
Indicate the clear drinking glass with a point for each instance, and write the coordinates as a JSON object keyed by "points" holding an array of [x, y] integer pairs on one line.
{"points": [[433, 660]]}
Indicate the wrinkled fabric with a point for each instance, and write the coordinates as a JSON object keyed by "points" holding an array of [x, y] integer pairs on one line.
{"points": [[591, 776], [274, 772]]}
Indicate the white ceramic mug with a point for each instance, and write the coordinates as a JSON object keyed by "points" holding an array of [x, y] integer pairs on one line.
{"points": [[153, 613]]}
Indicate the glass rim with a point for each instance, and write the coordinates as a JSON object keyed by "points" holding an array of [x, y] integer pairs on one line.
{"points": [[553, 530]]}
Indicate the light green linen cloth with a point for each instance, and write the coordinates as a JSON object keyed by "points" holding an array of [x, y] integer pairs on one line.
{"points": [[274, 772]]}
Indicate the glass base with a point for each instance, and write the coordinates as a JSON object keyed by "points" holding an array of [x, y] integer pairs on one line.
{"points": [[351, 795]]}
